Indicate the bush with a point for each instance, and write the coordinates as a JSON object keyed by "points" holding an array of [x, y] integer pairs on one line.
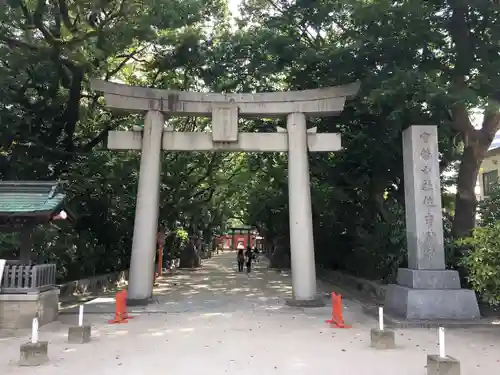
{"points": [[482, 262], [489, 208]]}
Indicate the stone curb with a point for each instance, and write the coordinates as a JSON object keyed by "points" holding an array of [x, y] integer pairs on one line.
{"points": [[370, 307], [374, 289], [395, 322]]}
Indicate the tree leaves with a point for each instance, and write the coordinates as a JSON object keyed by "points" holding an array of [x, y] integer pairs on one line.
{"points": [[405, 54]]}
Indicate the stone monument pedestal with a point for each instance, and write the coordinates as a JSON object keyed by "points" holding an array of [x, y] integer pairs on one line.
{"points": [[430, 295]]}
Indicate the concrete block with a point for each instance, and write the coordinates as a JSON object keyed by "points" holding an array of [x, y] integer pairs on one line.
{"points": [[34, 354], [384, 339], [17, 310], [431, 304], [437, 365], [79, 334]]}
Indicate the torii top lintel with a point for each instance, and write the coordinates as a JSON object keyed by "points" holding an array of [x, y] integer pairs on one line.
{"points": [[317, 102]]}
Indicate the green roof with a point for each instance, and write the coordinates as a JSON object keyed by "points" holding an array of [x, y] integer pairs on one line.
{"points": [[30, 198]]}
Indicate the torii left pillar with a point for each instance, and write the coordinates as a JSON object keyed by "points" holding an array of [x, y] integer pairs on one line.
{"points": [[146, 212]]}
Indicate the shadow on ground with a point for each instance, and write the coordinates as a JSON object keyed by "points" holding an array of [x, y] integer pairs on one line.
{"points": [[214, 286]]}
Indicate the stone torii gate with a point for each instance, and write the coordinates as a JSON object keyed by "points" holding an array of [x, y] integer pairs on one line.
{"points": [[225, 109]]}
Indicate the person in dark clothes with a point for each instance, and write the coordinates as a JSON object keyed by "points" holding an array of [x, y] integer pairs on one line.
{"points": [[248, 258], [240, 257], [256, 253]]}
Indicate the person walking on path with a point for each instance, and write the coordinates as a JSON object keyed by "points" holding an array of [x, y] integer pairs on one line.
{"points": [[240, 257], [256, 256], [248, 258]]}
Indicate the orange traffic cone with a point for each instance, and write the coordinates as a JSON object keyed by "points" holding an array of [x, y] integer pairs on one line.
{"points": [[337, 320], [121, 315]]}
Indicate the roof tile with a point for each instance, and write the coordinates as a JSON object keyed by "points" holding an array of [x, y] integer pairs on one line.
{"points": [[23, 197]]}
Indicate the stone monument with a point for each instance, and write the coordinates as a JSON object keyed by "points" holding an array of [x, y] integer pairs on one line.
{"points": [[426, 290]]}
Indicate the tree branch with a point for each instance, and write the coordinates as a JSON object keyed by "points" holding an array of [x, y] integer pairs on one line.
{"points": [[38, 21], [491, 120], [63, 9], [97, 139], [120, 66]]}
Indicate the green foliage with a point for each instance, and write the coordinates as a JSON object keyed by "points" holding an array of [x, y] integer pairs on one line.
{"points": [[481, 259], [181, 234], [419, 63], [53, 126], [482, 262], [379, 246], [489, 207]]}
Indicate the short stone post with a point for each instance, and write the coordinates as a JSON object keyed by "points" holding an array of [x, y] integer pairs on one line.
{"points": [[381, 338], [34, 353], [442, 364], [79, 334]]}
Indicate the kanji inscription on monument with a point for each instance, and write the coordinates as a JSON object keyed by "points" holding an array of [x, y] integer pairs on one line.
{"points": [[423, 198], [425, 153], [429, 219], [424, 136], [428, 201], [428, 244], [426, 185], [426, 169]]}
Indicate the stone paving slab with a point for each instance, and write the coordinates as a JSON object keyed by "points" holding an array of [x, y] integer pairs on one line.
{"points": [[219, 321]]}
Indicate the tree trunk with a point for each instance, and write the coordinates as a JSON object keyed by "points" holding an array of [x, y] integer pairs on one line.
{"points": [[280, 256], [465, 204], [189, 257]]}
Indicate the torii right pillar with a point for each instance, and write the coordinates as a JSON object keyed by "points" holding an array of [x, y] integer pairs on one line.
{"points": [[426, 290]]}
